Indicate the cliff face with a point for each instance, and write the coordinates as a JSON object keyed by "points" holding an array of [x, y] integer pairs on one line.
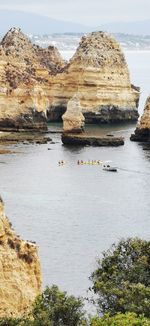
{"points": [[20, 274], [142, 132], [36, 84], [99, 73]]}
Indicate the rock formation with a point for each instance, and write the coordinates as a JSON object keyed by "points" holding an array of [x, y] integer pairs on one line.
{"points": [[99, 73], [50, 59], [88, 140], [24, 76], [20, 274], [142, 132], [36, 84], [73, 119]]}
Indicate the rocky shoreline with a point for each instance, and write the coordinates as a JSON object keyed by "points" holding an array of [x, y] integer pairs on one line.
{"points": [[31, 121], [141, 135], [24, 137], [111, 114]]}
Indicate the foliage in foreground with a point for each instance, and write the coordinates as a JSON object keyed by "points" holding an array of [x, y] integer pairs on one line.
{"points": [[121, 282], [56, 308], [128, 319], [14, 322], [52, 308], [122, 278]]}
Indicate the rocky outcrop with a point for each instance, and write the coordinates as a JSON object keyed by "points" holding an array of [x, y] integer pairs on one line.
{"points": [[36, 84], [50, 59], [17, 45], [142, 132], [24, 81], [20, 273], [98, 72], [87, 140], [73, 119], [7, 138]]}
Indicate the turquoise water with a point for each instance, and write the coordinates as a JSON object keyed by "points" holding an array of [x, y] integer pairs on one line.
{"points": [[75, 212]]}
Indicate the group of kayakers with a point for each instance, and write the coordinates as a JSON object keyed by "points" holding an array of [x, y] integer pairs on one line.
{"points": [[81, 162], [93, 162]]}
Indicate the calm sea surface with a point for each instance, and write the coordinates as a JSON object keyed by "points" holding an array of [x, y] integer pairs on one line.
{"points": [[75, 212]]}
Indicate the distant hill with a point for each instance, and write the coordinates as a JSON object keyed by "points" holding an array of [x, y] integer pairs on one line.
{"points": [[37, 24], [136, 28], [31, 23]]}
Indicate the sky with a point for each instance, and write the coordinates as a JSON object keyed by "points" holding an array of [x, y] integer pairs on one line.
{"points": [[87, 12]]}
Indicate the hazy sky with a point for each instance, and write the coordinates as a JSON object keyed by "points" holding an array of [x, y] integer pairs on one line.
{"points": [[88, 12]]}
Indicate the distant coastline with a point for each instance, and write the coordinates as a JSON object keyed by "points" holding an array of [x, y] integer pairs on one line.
{"points": [[70, 41]]}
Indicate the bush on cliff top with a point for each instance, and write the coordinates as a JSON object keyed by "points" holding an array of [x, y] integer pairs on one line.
{"points": [[122, 278]]}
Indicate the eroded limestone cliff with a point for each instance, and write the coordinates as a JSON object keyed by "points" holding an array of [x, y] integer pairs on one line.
{"points": [[99, 73], [24, 81], [20, 273], [142, 132], [36, 84]]}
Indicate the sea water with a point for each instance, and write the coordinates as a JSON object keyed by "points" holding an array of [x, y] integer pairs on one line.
{"points": [[75, 212]]}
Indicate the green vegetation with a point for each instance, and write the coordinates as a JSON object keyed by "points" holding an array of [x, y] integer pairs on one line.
{"points": [[121, 283], [14, 322], [52, 308], [128, 319], [122, 279], [56, 308]]}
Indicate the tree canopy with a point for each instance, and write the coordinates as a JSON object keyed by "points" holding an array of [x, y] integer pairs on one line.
{"points": [[122, 278], [55, 308]]}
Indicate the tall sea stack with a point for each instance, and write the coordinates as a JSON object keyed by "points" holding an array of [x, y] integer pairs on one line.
{"points": [[73, 119]]}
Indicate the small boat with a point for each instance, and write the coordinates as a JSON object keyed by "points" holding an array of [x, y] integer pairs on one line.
{"points": [[108, 167]]}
